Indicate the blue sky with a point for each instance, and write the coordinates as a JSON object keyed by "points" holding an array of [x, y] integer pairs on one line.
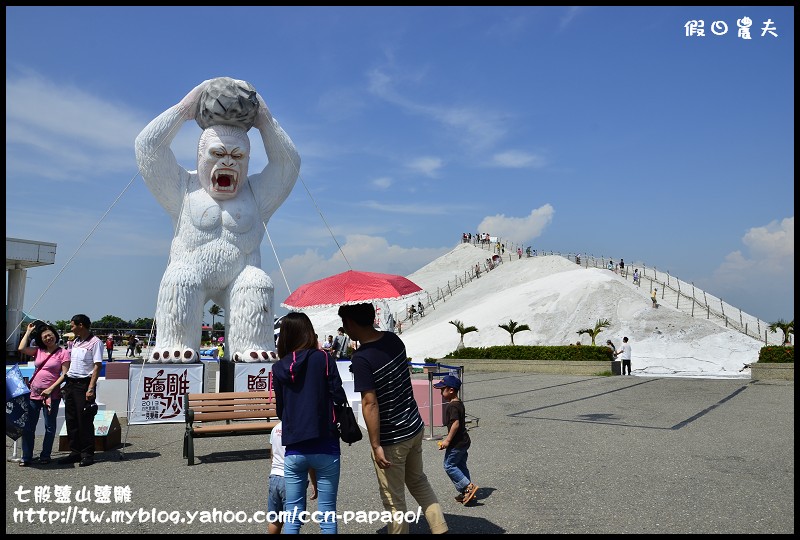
{"points": [[599, 130]]}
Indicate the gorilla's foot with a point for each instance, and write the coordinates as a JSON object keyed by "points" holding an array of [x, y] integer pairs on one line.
{"points": [[189, 356], [251, 355], [166, 355]]}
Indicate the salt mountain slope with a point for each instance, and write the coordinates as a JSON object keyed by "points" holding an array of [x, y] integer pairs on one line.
{"points": [[556, 298]]}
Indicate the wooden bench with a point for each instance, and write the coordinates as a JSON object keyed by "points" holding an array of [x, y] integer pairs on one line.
{"points": [[241, 413]]}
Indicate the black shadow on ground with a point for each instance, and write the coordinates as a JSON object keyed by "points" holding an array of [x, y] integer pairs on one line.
{"points": [[455, 525], [233, 455]]}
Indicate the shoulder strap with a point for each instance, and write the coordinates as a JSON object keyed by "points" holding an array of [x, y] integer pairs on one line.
{"points": [[38, 369]]}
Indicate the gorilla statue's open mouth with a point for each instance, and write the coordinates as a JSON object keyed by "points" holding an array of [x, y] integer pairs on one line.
{"points": [[224, 181]]}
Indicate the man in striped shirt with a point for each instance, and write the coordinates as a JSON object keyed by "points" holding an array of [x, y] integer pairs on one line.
{"points": [[395, 427]]}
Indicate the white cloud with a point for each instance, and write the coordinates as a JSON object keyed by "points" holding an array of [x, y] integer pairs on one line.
{"points": [[66, 132], [572, 12], [382, 182], [761, 276], [429, 166], [521, 230], [415, 208], [478, 127], [771, 253], [516, 159]]}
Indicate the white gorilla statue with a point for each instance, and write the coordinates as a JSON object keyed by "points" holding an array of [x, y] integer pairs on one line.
{"points": [[220, 215]]}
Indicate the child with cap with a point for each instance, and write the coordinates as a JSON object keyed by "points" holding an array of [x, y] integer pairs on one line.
{"points": [[457, 442]]}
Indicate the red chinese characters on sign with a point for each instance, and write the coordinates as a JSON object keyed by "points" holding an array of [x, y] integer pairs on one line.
{"points": [[163, 394]]}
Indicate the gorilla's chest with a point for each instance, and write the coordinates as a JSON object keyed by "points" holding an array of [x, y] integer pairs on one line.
{"points": [[237, 215]]}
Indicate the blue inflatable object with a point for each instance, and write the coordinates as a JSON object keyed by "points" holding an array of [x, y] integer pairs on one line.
{"points": [[17, 402]]}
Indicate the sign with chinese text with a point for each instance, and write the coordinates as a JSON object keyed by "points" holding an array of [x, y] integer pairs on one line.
{"points": [[155, 391], [252, 377]]}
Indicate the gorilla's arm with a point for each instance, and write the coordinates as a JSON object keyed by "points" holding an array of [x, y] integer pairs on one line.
{"points": [[273, 185], [157, 164]]}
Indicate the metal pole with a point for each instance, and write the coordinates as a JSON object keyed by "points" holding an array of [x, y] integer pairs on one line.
{"points": [[14, 454], [430, 403], [461, 376]]}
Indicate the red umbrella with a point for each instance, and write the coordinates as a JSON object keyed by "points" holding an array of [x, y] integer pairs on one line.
{"points": [[351, 287]]}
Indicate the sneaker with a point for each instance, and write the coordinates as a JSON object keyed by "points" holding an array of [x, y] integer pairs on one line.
{"points": [[70, 459], [470, 493]]}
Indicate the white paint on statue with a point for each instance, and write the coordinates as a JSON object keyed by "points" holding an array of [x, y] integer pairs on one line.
{"points": [[220, 215]]}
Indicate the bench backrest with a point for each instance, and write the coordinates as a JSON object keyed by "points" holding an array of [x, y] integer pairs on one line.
{"points": [[213, 406]]}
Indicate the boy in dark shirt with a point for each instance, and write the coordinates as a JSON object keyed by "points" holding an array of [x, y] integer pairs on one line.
{"points": [[457, 442]]}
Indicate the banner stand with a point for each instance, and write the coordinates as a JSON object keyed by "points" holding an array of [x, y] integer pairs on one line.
{"points": [[160, 387], [14, 457]]}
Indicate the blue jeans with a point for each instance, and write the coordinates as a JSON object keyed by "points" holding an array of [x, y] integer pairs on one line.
{"points": [[295, 472], [29, 434], [277, 493], [455, 465]]}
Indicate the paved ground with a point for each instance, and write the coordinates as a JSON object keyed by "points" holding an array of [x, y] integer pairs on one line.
{"points": [[552, 454]]}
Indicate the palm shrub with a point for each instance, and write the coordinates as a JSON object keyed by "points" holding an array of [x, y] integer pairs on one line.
{"points": [[535, 352], [462, 330], [512, 328], [776, 354], [598, 327], [786, 327]]}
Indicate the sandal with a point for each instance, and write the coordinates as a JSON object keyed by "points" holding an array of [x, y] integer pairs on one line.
{"points": [[24, 464], [470, 493]]}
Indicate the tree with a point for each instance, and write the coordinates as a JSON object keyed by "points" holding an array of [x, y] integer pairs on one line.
{"points": [[62, 326], [111, 322], [598, 327], [786, 327], [512, 328], [215, 312], [461, 329], [143, 322]]}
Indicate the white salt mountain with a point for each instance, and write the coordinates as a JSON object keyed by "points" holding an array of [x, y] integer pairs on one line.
{"points": [[556, 298]]}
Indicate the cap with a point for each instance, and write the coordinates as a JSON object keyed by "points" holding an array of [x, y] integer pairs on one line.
{"points": [[450, 381]]}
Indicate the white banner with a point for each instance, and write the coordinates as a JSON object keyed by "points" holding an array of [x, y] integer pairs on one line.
{"points": [[155, 391], [252, 377]]}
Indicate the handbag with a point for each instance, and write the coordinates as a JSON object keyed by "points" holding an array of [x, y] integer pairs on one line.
{"points": [[343, 416], [349, 430]]}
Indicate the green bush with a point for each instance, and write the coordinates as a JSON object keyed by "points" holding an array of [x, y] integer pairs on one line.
{"points": [[583, 353], [776, 354]]}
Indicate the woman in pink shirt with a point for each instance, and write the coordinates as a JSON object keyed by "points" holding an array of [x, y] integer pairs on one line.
{"points": [[51, 365]]}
